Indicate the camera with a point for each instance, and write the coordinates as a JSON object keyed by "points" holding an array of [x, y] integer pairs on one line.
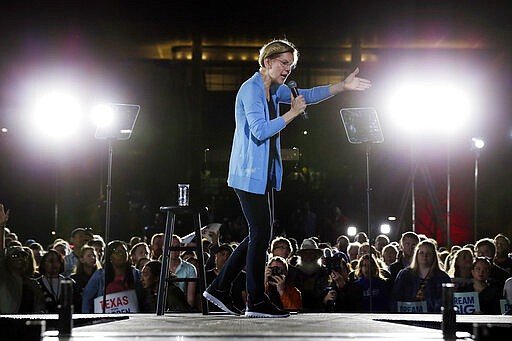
{"points": [[276, 271]]}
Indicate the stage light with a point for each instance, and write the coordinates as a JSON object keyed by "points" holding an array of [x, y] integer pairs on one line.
{"points": [[102, 115], [351, 231], [391, 218], [5, 130], [477, 143], [385, 228], [430, 107], [57, 115]]}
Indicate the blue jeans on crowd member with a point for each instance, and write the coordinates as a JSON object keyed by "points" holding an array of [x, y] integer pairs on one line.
{"points": [[251, 252]]}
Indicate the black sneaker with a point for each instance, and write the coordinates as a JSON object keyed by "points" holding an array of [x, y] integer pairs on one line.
{"points": [[265, 308], [222, 300]]}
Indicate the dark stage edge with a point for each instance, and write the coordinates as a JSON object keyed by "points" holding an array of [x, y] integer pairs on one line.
{"points": [[181, 326]]}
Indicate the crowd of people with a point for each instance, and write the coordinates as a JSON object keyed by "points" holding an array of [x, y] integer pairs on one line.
{"points": [[350, 275]]}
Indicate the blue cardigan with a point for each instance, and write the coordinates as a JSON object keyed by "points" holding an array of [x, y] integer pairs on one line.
{"points": [[248, 165], [407, 284], [96, 286]]}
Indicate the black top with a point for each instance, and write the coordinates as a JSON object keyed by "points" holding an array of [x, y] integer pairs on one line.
{"points": [[273, 144]]}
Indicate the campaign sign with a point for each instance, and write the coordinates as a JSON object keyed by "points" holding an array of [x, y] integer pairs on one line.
{"points": [[466, 302], [122, 302], [412, 307], [505, 305]]}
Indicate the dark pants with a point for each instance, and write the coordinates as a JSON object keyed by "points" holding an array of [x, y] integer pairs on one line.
{"points": [[252, 250]]}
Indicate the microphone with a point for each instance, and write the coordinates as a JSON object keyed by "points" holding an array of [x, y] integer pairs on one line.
{"points": [[293, 88]]}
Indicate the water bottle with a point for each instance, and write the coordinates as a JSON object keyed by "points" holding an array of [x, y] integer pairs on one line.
{"points": [[183, 194], [66, 308], [449, 324]]}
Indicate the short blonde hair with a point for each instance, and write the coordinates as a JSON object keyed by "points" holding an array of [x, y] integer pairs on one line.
{"points": [[276, 47]]}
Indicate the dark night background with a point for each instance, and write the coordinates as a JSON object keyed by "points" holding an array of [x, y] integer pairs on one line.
{"points": [[110, 51]]}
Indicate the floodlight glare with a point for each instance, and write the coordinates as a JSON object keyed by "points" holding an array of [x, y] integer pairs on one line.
{"points": [[429, 107], [351, 231], [385, 228], [477, 143], [57, 115], [102, 115]]}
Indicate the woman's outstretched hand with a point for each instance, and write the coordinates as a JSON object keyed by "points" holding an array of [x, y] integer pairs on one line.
{"points": [[352, 82]]}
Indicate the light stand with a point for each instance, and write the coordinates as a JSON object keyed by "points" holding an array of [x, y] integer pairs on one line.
{"points": [[477, 145], [362, 127], [119, 126], [448, 197], [108, 189], [475, 199]]}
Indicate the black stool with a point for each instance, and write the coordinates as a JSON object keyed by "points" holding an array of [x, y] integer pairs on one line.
{"points": [[172, 211]]}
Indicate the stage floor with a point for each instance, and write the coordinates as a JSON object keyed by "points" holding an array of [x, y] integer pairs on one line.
{"points": [[180, 326]]}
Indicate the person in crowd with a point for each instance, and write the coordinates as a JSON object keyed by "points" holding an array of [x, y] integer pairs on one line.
{"points": [[408, 243], [502, 257], [281, 294], [342, 243], [341, 295], [282, 247], [375, 295], [214, 237], [14, 242], [461, 267], [422, 280], [134, 241], [443, 255], [88, 264], [32, 270], [157, 246], [353, 251], [182, 269], [191, 257], [61, 246], [380, 241], [19, 292], [150, 278], [448, 261], [141, 262], [489, 294], [99, 245], [256, 166], [364, 248], [485, 248], [37, 251], [79, 237], [507, 289], [389, 255], [138, 251], [121, 276], [51, 268], [221, 256], [361, 237], [311, 277]]}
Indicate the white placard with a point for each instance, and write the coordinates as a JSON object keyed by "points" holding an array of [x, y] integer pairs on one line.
{"points": [[122, 302], [419, 307], [466, 302], [505, 305]]}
